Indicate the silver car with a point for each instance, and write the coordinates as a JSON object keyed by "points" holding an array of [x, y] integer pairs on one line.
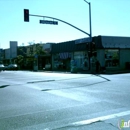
{"points": [[2, 67], [12, 67]]}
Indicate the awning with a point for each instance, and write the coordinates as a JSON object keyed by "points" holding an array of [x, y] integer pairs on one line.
{"points": [[65, 55]]}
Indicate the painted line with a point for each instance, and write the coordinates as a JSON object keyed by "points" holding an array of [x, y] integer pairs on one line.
{"points": [[102, 118], [90, 121], [40, 81]]}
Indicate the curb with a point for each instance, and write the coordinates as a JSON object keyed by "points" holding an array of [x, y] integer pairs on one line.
{"points": [[81, 72]]}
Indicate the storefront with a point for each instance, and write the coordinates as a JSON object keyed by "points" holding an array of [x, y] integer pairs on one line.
{"points": [[81, 59], [61, 61], [112, 57], [113, 53], [63, 53]]}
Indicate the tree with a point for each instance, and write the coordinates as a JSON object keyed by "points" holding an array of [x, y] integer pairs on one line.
{"points": [[36, 52], [20, 61], [39, 50], [21, 51]]}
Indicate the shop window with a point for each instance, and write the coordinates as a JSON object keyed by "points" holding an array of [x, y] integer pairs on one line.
{"points": [[112, 58]]}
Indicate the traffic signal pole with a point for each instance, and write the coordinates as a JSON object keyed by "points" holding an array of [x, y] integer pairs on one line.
{"points": [[26, 19], [61, 21], [90, 27]]}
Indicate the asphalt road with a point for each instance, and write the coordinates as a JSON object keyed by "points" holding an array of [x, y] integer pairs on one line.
{"points": [[63, 101]]}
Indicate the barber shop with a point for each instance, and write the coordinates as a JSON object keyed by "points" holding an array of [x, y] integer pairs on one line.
{"points": [[110, 53], [64, 53], [113, 52]]}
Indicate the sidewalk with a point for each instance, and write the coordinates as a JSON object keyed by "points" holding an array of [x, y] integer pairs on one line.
{"points": [[105, 72], [117, 71], [86, 71]]}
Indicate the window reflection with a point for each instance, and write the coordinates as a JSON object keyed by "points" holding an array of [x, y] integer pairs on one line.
{"points": [[111, 57]]}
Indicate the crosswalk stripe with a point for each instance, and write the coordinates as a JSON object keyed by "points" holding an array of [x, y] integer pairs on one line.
{"points": [[102, 118]]}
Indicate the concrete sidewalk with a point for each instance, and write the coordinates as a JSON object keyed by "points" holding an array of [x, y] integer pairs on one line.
{"points": [[117, 71], [105, 72], [87, 71]]}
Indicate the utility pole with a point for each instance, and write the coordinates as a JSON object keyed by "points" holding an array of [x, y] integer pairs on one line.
{"points": [[90, 35]]}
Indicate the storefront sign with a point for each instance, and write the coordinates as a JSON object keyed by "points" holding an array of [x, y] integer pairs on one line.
{"points": [[83, 40]]}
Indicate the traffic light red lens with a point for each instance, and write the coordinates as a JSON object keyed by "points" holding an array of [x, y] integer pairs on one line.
{"points": [[26, 15]]}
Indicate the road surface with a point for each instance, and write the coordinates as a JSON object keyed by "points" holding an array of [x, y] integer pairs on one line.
{"points": [[63, 101]]}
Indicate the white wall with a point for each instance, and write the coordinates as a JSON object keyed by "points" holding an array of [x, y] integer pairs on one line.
{"points": [[124, 57], [13, 49], [7, 53], [101, 57]]}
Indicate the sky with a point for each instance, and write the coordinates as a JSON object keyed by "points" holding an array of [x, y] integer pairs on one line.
{"points": [[109, 18]]}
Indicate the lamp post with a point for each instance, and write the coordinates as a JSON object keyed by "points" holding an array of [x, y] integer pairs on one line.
{"points": [[90, 25], [90, 35]]}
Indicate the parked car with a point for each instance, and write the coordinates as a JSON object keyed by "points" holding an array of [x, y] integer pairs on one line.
{"points": [[2, 67], [12, 67], [48, 66], [6, 67]]}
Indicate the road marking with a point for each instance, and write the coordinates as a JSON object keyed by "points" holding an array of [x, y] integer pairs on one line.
{"points": [[90, 121], [102, 118], [40, 81]]}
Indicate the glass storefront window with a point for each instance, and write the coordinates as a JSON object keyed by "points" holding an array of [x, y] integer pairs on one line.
{"points": [[112, 57]]}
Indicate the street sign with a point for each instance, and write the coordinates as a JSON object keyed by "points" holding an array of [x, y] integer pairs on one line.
{"points": [[48, 22], [83, 40]]}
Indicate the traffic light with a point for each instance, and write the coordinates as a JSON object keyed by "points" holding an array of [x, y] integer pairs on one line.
{"points": [[93, 46], [87, 46], [92, 49], [26, 15]]}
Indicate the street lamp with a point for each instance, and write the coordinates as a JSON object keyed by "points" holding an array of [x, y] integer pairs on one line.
{"points": [[90, 35], [90, 26]]}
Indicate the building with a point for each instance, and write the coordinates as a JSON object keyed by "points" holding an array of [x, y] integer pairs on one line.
{"points": [[1, 55], [6, 59], [63, 53], [22, 50], [47, 57], [111, 52], [38, 55], [13, 49]]}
